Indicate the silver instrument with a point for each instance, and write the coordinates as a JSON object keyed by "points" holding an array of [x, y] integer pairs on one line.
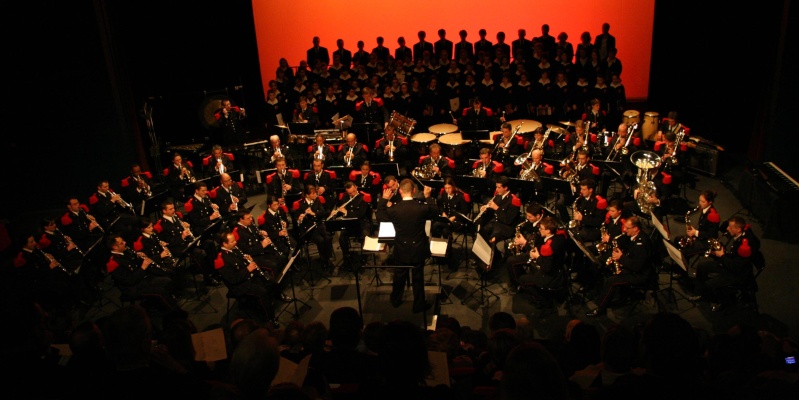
{"points": [[50, 258], [672, 159], [391, 151], [575, 224], [186, 174], [424, 171], [503, 149], [479, 172], [335, 212], [348, 157], [124, 203], [319, 155], [645, 160], [522, 159]]}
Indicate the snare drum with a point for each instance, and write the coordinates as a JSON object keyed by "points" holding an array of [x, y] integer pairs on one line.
{"points": [[452, 144], [651, 125], [632, 117], [421, 141]]}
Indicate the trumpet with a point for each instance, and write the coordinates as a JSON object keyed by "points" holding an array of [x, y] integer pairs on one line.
{"points": [[145, 188], [687, 241], [319, 155], [186, 174], [348, 157], [391, 151], [123, 202]]}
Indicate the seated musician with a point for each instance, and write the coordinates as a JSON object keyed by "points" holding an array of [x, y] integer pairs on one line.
{"points": [[179, 237], [588, 212], [546, 258], [506, 148], [322, 181], [542, 141], [309, 211], [353, 205], [596, 117], [275, 222], [137, 187], [179, 174], [390, 148], [526, 238], [201, 212], [218, 162], [499, 216], [304, 113], [453, 206], [645, 200], [485, 167], [113, 212], [575, 171], [630, 261], [156, 249], [242, 277], [282, 182], [368, 181], [437, 164], [730, 264], [230, 197], [276, 151], [371, 109], [612, 228], [321, 151], [60, 246], [674, 156], [351, 154], [695, 240], [228, 120], [580, 139], [390, 182], [622, 145], [475, 117], [670, 124], [533, 170], [258, 244], [79, 225]]}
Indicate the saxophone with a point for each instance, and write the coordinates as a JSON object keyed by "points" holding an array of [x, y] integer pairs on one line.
{"points": [[513, 248], [574, 224], [602, 246], [687, 241], [610, 261]]}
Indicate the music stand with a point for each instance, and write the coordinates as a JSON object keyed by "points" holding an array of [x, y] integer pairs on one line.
{"points": [[525, 189], [677, 258], [386, 169], [343, 225], [363, 131], [474, 184], [152, 204], [438, 249], [484, 252], [198, 293], [301, 128], [294, 300], [304, 241], [373, 246], [588, 253]]}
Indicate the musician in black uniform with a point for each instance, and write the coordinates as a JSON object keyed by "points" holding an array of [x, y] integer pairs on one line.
{"points": [[634, 259], [489, 169], [499, 216], [229, 122], [391, 183], [353, 205], [506, 148], [527, 237], [368, 181], [371, 110], [257, 243], [390, 148], [695, 240], [437, 164], [60, 246], [179, 174], [595, 117], [475, 117], [321, 150], [156, 249], [230, 197], [726, 266], [622, 145], [310, 214], [323, 182], [276, 151], [218, 162], [132, 275], [112, 212], [201, 212], [546, 263], [411, 245], [588, 212], [243, 277], [137, 187], [282, 182], [79, 225], [352, 154], [276, 224], [453, 206], [177, 233], [306, 114]]}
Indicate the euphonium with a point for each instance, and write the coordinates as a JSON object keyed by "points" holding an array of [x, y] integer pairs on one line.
{"points": [[477, 171], [645, 160], [687, 241]]}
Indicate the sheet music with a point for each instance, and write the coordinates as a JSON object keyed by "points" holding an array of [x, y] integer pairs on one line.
{"points": [[582, 247], [482, 250], [286, 268], [386, 230], [280, 119], [209, 345], [427, 225], [438, 247], [371, 244], [676, 255], [658, 225]]}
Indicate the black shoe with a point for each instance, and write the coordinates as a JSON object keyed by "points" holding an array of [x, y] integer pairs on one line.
{"points": [[695, 298], [213, 282], [285, 298], [425, 307], [596, 313]]}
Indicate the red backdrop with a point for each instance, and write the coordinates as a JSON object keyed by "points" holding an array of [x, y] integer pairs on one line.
{"points": [[285, 28]]}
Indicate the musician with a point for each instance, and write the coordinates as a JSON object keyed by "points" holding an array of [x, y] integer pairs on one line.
{"points": [[438, 164], [547, 257], [621, 142], [228, 119], [229, 196], [634, 257], [589, 212], [612, 228], [367, 180], [485, 167], [309, 211], [79, 225], [137, 187], [543, 142], [218, 162], [178, 236], [391, 183], [60, 246], [40, 273], [322, 181], [201, 212], [595, 117], [156, 249], [674, 156], [670, 124], [257, 243], [581, 139], [132, 275], [353, 205], [475, 117], [730, 265], [321, 150], [506, 147], [453, 206], [111, 211], [305, 113], [411, 245], [276, 151], [528, 237], [707, 226], [541, 169], [499, 215], [390, 147], [275, 222], [283, 182], [241, 276], [352, 154], [370, 109], [178, 176]]}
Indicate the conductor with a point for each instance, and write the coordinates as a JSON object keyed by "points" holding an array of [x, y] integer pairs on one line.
{"points": [[411, 245]]}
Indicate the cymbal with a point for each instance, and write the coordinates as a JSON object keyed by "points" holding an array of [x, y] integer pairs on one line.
{"points": [[527, 125], [567, 123], [557, 129]]}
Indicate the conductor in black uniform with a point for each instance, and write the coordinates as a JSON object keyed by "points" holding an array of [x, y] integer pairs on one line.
{"points": [[411, 245]]}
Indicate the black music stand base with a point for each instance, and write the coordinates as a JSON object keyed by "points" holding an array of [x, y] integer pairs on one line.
{"points": [[482, 288], [294, 300]]}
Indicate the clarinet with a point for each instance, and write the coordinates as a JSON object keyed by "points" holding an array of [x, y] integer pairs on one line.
{"points": [[69, 241], [249, 259], [271, 243], [169, 252], [144, 257], [288, 240], [50, 258], [180, 223]]}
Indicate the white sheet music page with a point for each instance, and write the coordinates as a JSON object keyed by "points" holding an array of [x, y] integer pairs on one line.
{"points": [[386, 230], [371, 244], [438, 247]]}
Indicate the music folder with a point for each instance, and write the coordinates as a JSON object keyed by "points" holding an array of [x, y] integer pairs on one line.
{"points": [[582, 247], [386, 232], [285, 269], [371, 243], [483, 250], [676, 255], [438, 247]]}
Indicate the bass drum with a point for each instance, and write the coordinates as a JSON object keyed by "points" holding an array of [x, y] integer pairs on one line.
{"points": [[650, 128], [421, 141]]}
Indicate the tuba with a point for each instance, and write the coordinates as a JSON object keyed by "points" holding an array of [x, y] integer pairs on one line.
{"points": [[645, 160]]}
